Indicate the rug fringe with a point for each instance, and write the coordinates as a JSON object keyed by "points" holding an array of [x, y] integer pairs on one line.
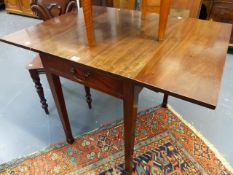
{"points": [[212, 147]]}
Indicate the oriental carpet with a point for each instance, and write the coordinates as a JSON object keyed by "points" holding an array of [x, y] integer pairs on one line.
{"points": [[165, 144]]}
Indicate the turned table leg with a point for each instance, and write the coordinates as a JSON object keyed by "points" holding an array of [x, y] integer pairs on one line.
{"points": [[88, 96], [39, 89], [130, 101]]}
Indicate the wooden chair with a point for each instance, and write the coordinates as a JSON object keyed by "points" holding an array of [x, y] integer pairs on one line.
{"points": [[183, 8], [47, 9]]}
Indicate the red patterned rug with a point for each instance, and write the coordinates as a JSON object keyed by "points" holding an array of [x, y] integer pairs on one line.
{"points": [[165, 145]]}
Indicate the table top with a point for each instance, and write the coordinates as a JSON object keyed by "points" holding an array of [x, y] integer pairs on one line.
{"points": [[188, 64]]}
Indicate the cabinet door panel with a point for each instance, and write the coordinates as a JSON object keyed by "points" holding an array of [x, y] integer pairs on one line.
{"points": [[223, 12], [12, 4], [25, 7], [183, 8]]}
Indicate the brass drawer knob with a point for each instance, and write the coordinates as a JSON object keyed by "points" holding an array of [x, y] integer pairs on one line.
{"points": [[73, 71], [87, 75]]}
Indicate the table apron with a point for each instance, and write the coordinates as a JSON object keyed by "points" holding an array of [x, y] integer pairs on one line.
{"points": [[88, 77]]}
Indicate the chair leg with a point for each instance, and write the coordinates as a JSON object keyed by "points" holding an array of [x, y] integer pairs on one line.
{"points": [[36, 79], [88, 96], [165, 99]]}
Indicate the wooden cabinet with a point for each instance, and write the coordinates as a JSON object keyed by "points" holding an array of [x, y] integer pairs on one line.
{"points": [[25, 7], [192, 5], [21, 7], [185, 8], [12, 5], [220, 11]]}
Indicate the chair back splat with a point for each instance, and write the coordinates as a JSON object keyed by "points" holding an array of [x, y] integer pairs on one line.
{"points": [[47, 9]]}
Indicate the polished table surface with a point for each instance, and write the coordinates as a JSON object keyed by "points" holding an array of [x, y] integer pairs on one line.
{"points": [[121, 55], [188, 64]]}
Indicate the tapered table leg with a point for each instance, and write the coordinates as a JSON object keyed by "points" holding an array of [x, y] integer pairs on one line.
{"points": [[130, 100], [55, 86]]}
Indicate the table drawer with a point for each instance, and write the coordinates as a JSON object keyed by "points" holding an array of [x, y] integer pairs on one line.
{"points": [[89, 77]]}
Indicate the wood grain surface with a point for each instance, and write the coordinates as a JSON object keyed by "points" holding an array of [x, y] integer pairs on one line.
{"points": [[188, 64]]}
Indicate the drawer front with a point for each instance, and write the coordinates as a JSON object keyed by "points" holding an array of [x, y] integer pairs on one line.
{"points": [[86, 76], [223, 12]]}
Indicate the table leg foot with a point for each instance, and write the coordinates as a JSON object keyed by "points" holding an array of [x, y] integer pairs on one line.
{"points": [[70, 140]]}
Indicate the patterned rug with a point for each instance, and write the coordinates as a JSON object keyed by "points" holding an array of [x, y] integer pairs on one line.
{"points": [[165, 145]]}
